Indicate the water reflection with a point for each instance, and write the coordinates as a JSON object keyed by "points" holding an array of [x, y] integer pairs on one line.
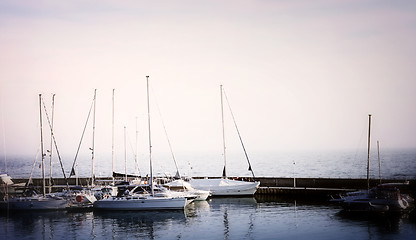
{"points": [[218, 218], [233, 221], [234, 201], [382, 223], [138, 224], [38, 224], [337, 221], [196, 208]]}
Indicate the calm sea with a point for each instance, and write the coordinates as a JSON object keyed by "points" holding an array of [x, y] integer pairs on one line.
{"points": [[218, 218], [398, 164]]}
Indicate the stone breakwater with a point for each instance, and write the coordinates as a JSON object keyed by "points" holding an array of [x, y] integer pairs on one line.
{"points": [[299, 187]]}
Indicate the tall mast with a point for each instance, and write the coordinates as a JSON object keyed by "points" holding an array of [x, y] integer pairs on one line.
{"points": [[125, 155], [41, 146], [93, 141], [224, 173], [135, 155], [150, 142], [51, 147], [112, 142], [379, 162], [368, 152]]}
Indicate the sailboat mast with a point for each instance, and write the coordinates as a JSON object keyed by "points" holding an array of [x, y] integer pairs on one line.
{"points": [[41, 146], [379, 162], [51, 147], [224, 174], [125, 155], [135, 155], [112, 141], [93, 141], [150, 141], [368, 152]]}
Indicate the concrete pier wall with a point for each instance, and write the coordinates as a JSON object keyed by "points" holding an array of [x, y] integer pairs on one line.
{"points": [[327, 182], [303, 188], [338, 183]]}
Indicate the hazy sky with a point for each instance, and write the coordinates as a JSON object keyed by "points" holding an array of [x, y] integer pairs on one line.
{"points": [[298, 74]]}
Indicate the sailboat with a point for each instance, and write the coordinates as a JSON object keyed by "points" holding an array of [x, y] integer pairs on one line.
{"points": [[80, 197], [139, 198], [382, 198], [31, 200], [225, 186]]}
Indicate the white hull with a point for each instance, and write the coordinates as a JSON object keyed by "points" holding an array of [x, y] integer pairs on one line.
{"points": [[225, 187], [35, 203], [202, 195], [140, 203], [185, 187]]}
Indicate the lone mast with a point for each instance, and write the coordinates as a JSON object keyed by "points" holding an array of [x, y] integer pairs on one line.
{"points": [[368, 152], [93, 141], [224, 172], [41, 147], [51, 147], [112, 142], [379, 162], [125, 155], [150, 141]]}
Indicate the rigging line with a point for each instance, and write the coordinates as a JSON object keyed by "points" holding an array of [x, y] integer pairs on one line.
{"points": [[239, 135], [80, 142], [54, 141], [166, 133], [33, 167], [4, 135], [359, 150], [134, 153]]}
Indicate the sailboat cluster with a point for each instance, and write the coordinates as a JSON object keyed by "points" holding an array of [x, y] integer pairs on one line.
{"points": [[137, 194], [380, 199], [150, 193]]}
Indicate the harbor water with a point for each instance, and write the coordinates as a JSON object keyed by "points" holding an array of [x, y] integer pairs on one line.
{"points": [[218, 218]]}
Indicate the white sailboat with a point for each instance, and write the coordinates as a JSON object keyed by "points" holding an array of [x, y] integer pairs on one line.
{"points": [[143, 201], [31, 200], [225, 186], [81, 197]]}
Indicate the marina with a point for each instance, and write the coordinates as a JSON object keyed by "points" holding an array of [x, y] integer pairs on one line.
{"points": [[117, 120]]}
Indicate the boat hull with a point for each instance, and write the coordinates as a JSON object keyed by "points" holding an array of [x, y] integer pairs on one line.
{"points": [[137, 203], [225, 187], [41, 203], [364, 206]]}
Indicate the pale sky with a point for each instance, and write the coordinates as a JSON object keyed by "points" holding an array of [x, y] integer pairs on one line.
{"points": [[298, 74]]}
